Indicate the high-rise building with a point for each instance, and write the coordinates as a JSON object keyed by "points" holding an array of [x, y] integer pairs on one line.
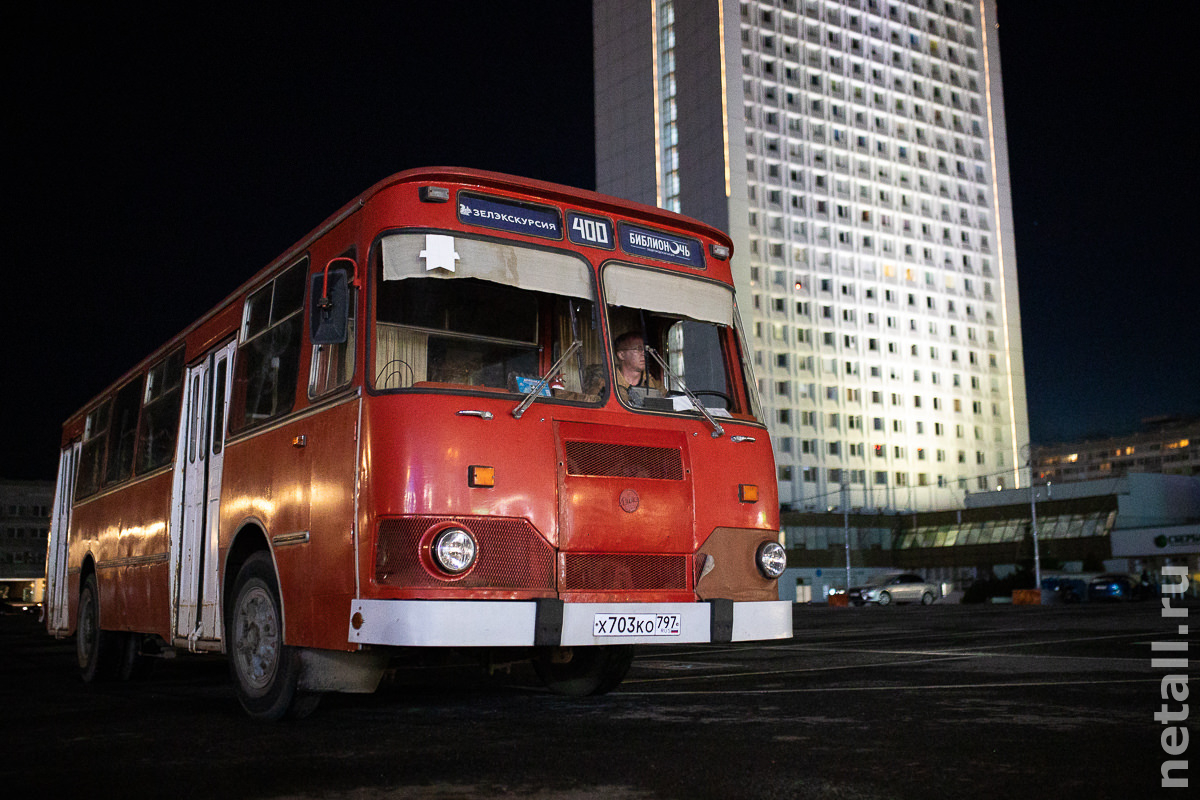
{"points": [[855, 150]]}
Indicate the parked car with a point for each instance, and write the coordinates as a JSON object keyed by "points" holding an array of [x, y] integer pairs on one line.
{"points": [[8, 606], [1110, 587], [904, 588], [1064, 590]]}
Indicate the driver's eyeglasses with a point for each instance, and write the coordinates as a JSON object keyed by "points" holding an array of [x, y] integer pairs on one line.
{"points": [[632, 350]]}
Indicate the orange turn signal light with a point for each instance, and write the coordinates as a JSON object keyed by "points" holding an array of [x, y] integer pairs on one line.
{"points": [[481, 477], [748, 493]]}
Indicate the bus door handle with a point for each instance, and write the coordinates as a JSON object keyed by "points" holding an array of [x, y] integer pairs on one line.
{"points": [[473, 413], [741, 438]]}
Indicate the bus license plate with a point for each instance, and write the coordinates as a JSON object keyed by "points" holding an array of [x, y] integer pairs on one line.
{"points": [[636, 625]]}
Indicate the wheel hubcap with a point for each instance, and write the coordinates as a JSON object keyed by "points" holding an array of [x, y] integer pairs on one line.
{"points": [[257, 646], [87, 631]]}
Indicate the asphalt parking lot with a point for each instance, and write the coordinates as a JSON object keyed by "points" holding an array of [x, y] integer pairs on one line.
{"points": [[902, 702]]}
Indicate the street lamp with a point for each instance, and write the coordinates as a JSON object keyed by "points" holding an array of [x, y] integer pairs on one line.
{"points": [[846, 527], [1037, 556]]}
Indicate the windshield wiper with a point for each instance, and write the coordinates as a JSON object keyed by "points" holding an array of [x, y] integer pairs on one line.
{"points": [[532, 394], [716, 426]]}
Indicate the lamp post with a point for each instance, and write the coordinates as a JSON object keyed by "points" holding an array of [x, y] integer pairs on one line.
{"points": [[1037, 556], [846, 526]]}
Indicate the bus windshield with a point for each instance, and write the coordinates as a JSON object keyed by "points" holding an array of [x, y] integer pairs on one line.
{"points": [[689, 324], [464, 312]]}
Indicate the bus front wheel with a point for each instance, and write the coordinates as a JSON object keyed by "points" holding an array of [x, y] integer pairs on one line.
{"points": [[583, 671], [265, 671]]}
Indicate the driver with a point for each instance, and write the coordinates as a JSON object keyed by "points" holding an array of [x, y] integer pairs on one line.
{"points": [[630, 349]]}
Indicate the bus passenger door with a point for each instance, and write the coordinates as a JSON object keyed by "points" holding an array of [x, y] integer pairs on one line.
{"points": [[197, 488], [57, 618]]}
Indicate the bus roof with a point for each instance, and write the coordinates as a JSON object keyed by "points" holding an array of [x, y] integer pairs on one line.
{"points": [[553, 192], [481, 179]]}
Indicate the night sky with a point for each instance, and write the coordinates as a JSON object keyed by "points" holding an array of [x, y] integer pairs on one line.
{"points": [[159, 155]]}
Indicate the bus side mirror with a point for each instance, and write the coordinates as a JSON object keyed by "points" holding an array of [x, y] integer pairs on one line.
{"points": [[330, 308]]}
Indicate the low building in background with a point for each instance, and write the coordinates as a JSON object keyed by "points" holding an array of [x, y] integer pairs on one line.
{"points": [[1129, 525], [24, 528], [1164, 445]]}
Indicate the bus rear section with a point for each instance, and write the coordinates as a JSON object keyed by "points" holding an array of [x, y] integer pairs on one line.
{"points": [[470, 411]]}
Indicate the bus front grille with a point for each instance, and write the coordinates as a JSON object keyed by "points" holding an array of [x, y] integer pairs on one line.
{"points": [[603, 459], [601, 572]]}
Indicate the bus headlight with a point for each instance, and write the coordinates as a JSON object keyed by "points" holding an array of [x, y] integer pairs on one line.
{"points": [[454, 551], [772, 559]]}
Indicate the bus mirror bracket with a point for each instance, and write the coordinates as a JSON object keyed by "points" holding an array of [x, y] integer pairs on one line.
{"points": [[331, 309]]}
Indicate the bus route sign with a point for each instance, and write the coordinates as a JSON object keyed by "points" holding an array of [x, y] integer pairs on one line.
{"points": [[591, 231], [523, 218], [639, 241]]}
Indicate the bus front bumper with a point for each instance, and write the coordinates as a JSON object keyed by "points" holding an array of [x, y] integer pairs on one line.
{"points": [[553, 623]]}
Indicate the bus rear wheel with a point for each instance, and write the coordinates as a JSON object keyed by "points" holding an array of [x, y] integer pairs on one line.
{"points": [[136, 662], [583, 671], [98, 651], [265, 671]]}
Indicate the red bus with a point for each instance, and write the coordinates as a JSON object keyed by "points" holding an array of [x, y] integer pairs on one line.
{"points": [[413, 430]]}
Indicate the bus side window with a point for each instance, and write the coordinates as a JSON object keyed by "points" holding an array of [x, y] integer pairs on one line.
{"points": [[160, 414], [332, 364], [268, 363], [123, 432], [91, 457]]}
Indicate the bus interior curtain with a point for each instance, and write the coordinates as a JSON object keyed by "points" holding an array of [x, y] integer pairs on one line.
{"points": [[401, 356], [406, 255], [665, 293], [588, 364]]}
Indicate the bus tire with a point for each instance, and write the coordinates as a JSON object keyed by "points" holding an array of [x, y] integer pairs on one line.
{"points": [[583, 671], [98, 651], [133, 664], [265, 671]]}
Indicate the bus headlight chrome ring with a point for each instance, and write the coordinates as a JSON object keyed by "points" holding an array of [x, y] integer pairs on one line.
{"points": [[772, 559], [454, 551]]}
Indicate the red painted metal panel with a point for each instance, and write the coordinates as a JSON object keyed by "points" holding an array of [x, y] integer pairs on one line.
{"points": [[126, 532], [635, 510]]}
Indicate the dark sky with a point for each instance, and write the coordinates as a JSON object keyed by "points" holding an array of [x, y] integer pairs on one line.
{"points": [[157, 156]]}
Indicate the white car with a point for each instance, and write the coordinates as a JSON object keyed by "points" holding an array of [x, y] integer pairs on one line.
{"points": [[904, 588]]}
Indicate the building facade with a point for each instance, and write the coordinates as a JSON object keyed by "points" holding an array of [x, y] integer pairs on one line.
{"points": [[24, 531], [1131, 525], [855, 151], [1168, 446]]}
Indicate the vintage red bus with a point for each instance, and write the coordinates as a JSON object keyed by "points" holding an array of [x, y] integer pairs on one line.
{"points": [[411, 430]]}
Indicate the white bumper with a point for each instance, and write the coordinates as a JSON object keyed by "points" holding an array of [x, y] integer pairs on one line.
{"points": [[528, 623]]}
